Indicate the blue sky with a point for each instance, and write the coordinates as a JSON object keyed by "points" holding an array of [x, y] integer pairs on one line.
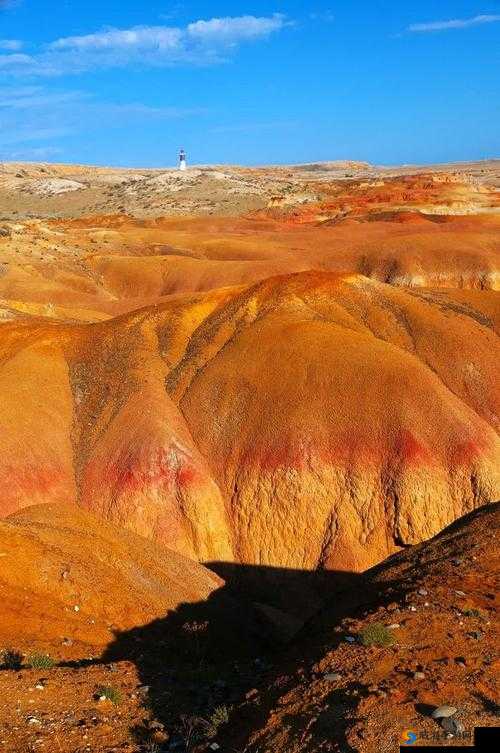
{"points": [[122, 82]]}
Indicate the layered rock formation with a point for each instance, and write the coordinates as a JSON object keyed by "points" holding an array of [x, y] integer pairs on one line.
{"points": [[306, 421]]}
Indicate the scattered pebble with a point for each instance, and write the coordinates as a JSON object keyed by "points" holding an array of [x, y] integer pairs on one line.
{"points": [[443, 712], [350, 639], [422, 592], [418, 676], [451, 726], [393, 626], [476, 634], [333, 677]]}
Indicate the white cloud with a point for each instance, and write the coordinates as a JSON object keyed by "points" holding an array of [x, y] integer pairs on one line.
{"points": [[198, 43], [234, 30], [10, 44], [15, 60], [457, 23], [141, 37]]}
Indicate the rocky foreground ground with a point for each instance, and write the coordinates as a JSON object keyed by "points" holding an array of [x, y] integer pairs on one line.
{"points": [[416, 633]]}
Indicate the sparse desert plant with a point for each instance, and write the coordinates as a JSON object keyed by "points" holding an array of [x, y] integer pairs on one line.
{"points": [[11, 659], [376, 634], [109, 693], [192, 729], [218, 717], [37, 660], [198, 631], [474, 613], [151, 747]]}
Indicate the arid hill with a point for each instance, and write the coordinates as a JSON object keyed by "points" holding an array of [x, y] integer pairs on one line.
{"points": [[70, 582], [306, 421]]}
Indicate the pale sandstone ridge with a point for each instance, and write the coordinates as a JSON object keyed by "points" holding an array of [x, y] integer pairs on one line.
{"points": [[67, 578], [309, 420]]}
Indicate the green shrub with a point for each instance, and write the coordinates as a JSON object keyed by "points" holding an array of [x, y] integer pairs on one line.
{"points": [[40, 661], [11, 659], [218, 717], [376, 635], [110, 693], [474, 613]]}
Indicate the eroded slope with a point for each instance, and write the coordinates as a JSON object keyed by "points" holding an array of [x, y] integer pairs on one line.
{"points": [[307, 421]]}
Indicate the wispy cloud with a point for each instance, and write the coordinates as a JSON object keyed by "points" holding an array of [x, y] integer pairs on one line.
{"points": [[158, 38], [456, 23], [199, 43], [35, 117], [10, 44], [15, 60]]}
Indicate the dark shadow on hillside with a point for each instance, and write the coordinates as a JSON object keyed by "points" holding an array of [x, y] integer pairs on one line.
{"points": [[216, 653]]}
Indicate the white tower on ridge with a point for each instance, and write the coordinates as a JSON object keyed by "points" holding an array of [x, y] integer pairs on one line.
{"points": [[182, 160]]}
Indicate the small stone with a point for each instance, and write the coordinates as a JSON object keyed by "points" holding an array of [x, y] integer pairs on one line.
{"points": [[443, 712], [39, 686], [251, 694], [156, 725], [214, 746], [456, 561], [333, 677], [412, 608], [422, 592], [451, 726], [460, 593], [33, 720], [350, 639], [76, 608], [418, 676], [476, 635], [393, 626]]}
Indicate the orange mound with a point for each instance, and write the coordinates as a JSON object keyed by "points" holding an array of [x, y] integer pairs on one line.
{"points": [[306, 421], [67, 576]]}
